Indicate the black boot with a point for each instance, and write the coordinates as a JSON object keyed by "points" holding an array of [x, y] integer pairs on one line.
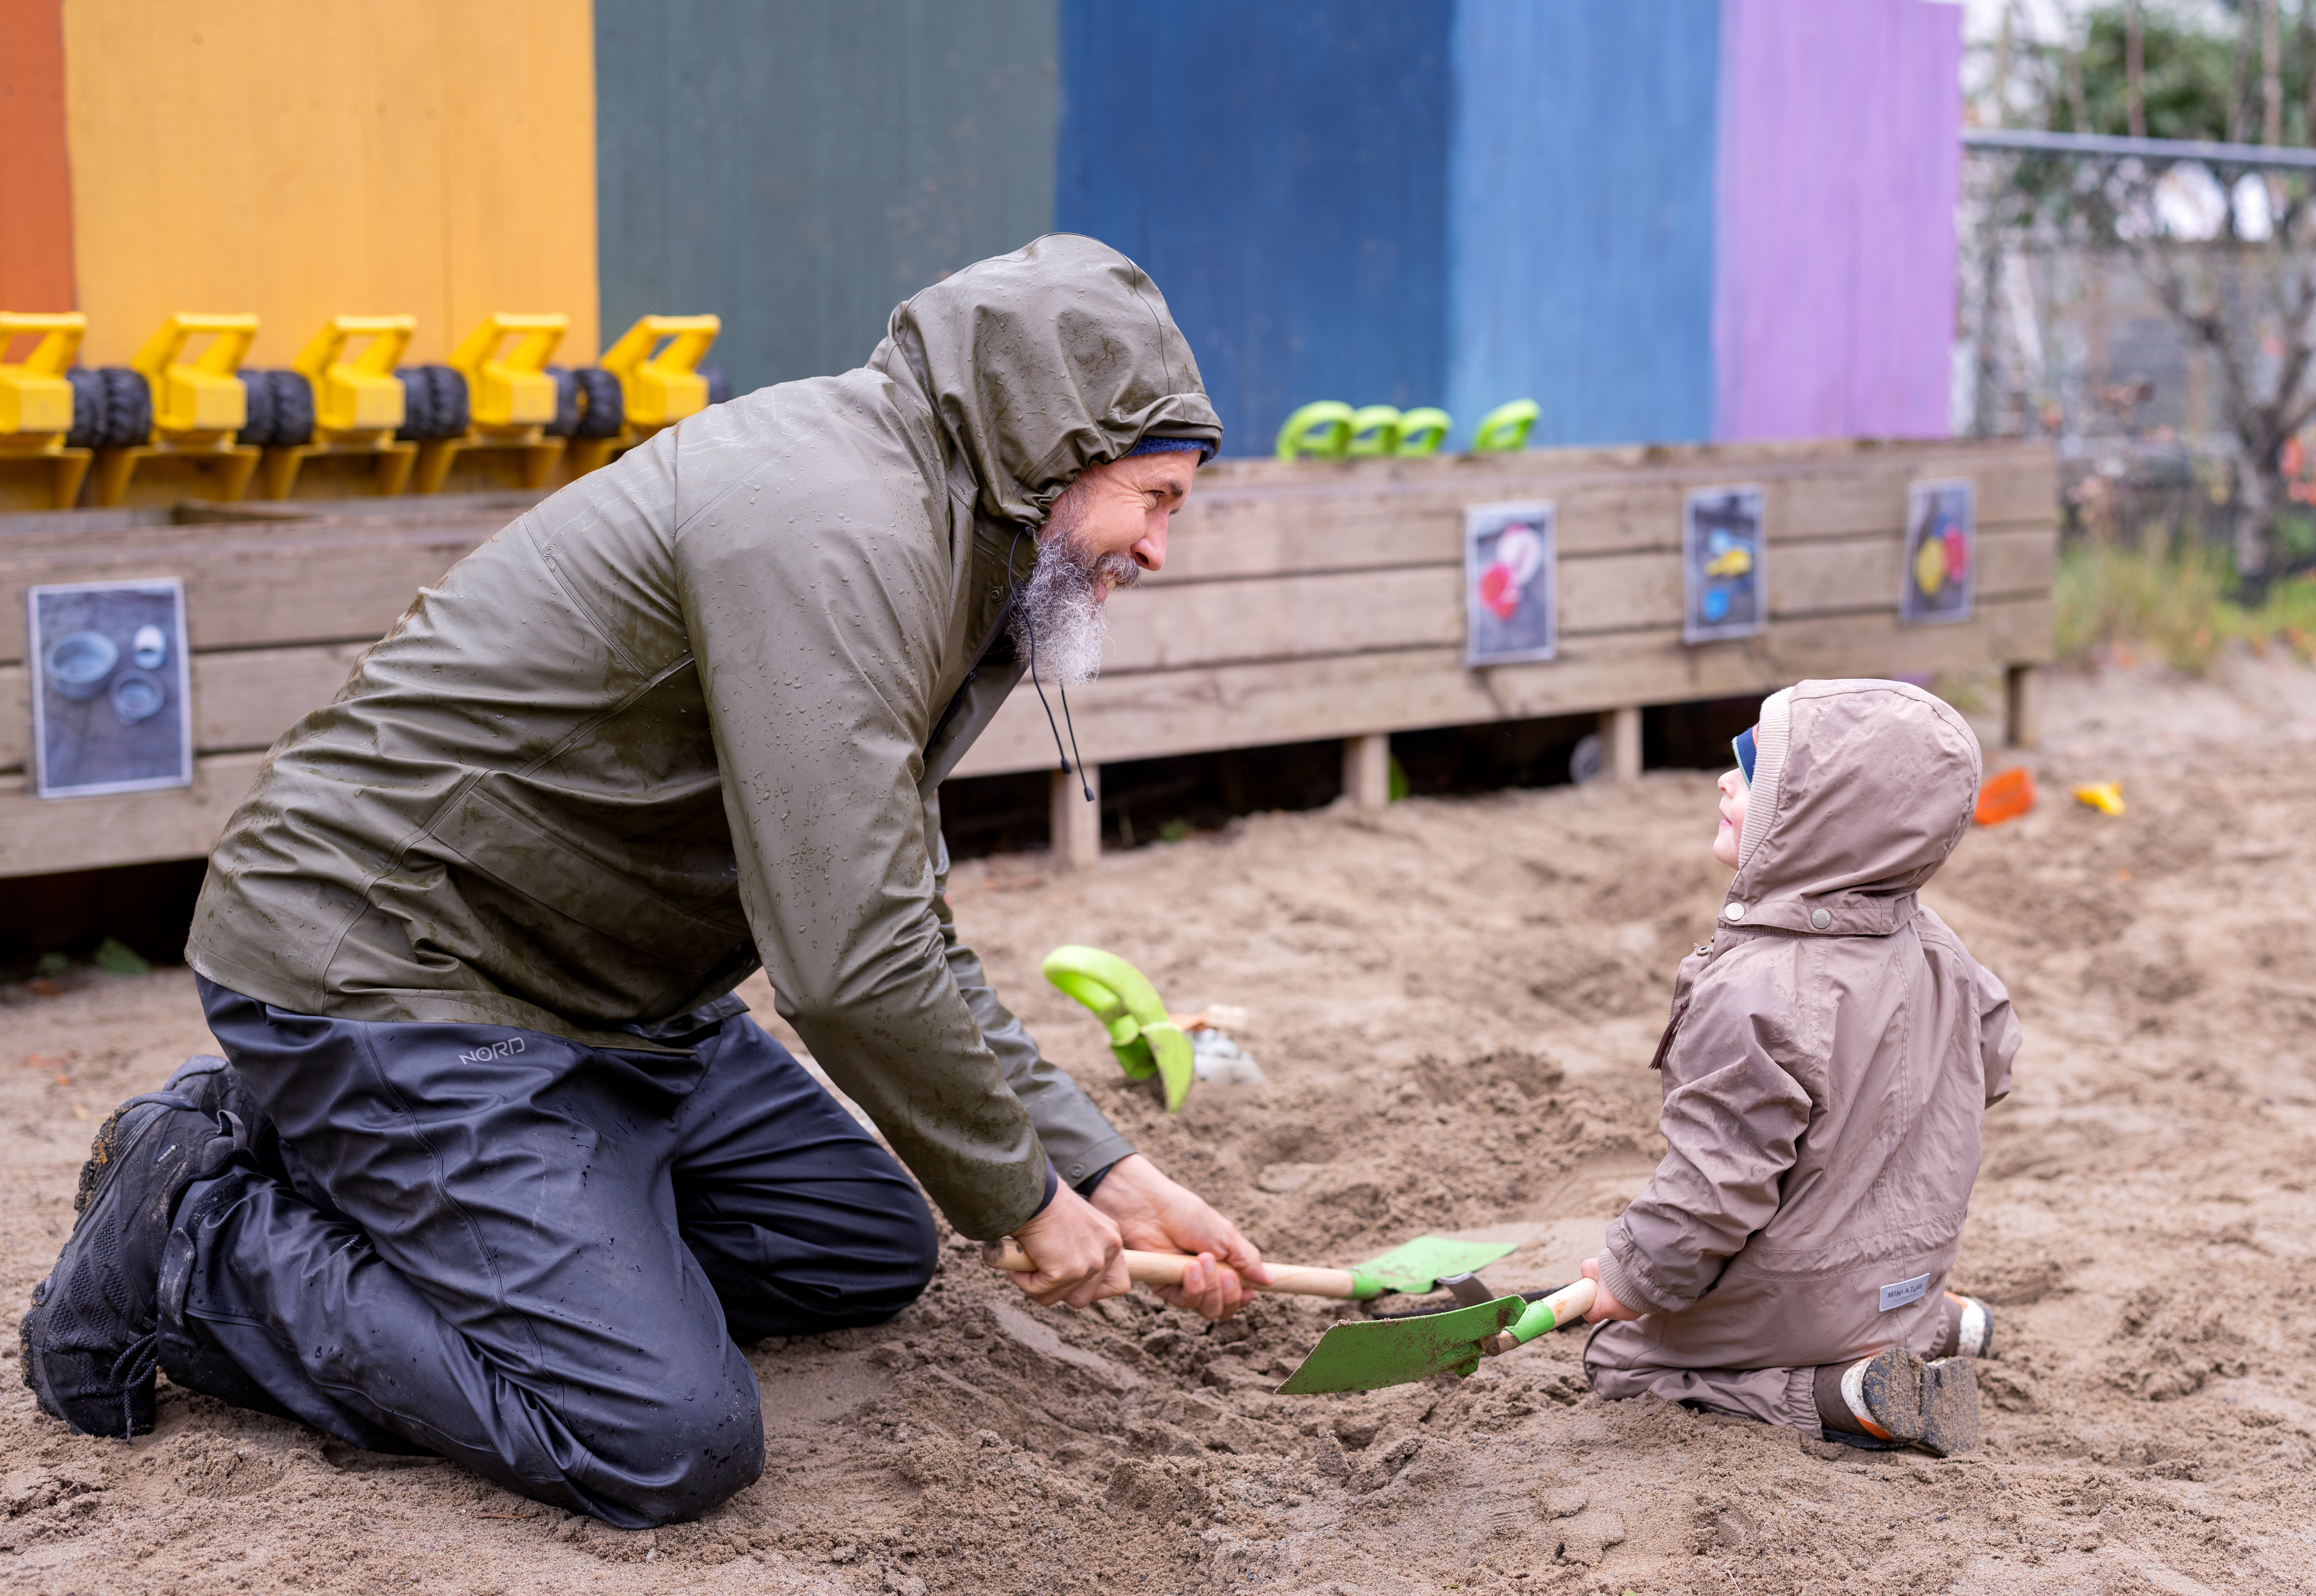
{"points": [[89, 1340]]}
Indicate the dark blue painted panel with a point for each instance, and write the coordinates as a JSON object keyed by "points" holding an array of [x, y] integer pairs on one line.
{"points": [[800, 167], [1583, 217], [1280, 168]]}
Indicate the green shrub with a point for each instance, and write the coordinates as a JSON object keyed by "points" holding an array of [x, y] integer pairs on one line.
{"points": [[2120, 602]]}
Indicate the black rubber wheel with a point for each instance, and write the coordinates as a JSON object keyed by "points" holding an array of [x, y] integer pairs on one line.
{"points": [[293, 409], [566, 402], [607, 407], [88, 409], [257, 408], [417, 404], [451, 415], [720, 386], [128, 407]]}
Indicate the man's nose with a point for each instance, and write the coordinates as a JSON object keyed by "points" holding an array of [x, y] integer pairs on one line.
{"points": [[1149, 550]]}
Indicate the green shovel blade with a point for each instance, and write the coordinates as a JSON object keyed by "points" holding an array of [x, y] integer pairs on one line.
{"points": [[1420, 1265], [1378, 1352]]}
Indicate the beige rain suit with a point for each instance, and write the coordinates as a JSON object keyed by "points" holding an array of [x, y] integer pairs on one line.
{"points": [[691, 715], [1828, 1064]]}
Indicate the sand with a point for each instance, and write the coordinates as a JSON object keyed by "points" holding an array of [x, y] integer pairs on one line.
{"points": [[1454, 1004]]}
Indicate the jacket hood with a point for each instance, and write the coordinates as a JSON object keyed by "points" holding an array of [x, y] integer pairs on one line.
{"points": [[1042, 363], [1860, 790]]}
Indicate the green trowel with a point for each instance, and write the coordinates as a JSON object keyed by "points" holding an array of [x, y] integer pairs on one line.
{"points": [[1366, 1357]]}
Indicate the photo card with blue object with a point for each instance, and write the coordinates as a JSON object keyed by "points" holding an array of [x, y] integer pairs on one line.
{"points": [[1939, 582], [1723, 549], [111, 693], [1512, 585]]}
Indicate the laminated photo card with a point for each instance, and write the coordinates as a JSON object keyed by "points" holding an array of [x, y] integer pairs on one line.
{"points": [[1511, 584], [1723, 548]]}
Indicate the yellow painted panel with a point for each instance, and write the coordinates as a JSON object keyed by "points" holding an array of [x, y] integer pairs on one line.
{"points": [[310, 158]]}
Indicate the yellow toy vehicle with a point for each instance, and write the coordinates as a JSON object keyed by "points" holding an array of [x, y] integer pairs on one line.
{"points": [[36, 406], [649, 380], [509, 400], [196, 406], [327, 405]]}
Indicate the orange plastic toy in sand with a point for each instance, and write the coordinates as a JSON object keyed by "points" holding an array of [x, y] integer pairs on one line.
{"points": [[2006, 795]]}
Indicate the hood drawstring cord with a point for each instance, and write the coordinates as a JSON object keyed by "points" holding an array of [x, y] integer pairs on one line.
{"points": [[1030, 627]]}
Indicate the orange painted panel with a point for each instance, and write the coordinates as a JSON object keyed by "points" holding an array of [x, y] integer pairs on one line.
{"points": [[432, 157], [36, 237]]}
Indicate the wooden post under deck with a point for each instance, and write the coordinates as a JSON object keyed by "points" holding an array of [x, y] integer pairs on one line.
{"points": [[1620, 743], [2022, 706], [1367, 770]]}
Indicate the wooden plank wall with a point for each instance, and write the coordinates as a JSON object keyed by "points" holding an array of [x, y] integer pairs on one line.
{"points": [[1312, 600], [1299, 601]]}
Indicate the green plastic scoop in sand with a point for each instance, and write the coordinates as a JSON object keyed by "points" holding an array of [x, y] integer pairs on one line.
{"points": [[1366, 1357], [1146, 1041]]}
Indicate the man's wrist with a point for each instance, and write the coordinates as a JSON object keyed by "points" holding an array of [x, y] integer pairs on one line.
{"points": [[1092, 1182], [1053, 1184]]}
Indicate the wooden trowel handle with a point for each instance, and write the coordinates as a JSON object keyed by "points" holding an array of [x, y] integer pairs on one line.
{"points": [[1165, 1269]]}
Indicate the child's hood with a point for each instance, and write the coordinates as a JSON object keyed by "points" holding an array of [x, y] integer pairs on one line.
{"points": [[1860, 790]]}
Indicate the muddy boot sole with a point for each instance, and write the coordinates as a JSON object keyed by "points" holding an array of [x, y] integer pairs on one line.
{"points": [[1891, 1386], [1949, 1407]]}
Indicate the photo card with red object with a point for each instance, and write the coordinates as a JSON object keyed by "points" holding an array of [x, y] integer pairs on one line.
{"points": [[1511, 584]]}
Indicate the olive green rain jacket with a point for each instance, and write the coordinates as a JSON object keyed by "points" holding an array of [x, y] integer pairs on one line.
{"points": [[1829, 1064], [690, 714]]}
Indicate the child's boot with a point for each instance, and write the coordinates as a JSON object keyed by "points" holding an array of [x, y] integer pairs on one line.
{"points": [[1969, 1329], [1897, 1395]]}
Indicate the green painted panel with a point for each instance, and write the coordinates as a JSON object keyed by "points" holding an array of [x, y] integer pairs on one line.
{"points": [[800, 167]]}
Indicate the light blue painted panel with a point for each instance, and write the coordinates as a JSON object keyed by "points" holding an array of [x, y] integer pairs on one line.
{"points": [[800, 167], [1581, 226], [1278, 167]]}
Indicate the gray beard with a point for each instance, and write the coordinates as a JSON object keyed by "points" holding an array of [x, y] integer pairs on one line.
{"points": [[1058, 624]]}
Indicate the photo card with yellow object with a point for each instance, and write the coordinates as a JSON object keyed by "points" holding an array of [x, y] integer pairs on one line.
{"points": [[1940, 580]]}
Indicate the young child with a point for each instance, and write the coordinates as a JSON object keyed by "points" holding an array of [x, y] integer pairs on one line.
{"points": [[1829, 1064]]}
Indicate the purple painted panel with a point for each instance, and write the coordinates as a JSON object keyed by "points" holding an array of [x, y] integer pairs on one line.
{"points": [[1836, 173]]}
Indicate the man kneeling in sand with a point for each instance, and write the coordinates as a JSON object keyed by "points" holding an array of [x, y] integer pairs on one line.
{"points": [[500, 1169], [1829, 1061]]}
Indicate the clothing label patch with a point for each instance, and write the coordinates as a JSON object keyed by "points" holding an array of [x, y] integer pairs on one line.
{"points": [[1905, 1292]]}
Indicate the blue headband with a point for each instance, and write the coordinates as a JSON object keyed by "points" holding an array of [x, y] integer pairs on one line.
{"points": [[1743, 742], [1157, 445]]}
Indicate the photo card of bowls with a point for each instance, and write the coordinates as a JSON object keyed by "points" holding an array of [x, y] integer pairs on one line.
{"points": [[111, 698], [1724, 556], [1939, 581]]}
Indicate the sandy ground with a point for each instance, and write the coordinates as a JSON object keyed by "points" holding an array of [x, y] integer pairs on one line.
{"points": [[1454, 1003]]}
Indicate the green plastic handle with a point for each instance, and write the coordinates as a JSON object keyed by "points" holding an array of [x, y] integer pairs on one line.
{"points": [[1170, 1048], [1504, 429], [1422, 432], [1322, 430], [1536, 1319], [1146, 1042], [1374, 430]]}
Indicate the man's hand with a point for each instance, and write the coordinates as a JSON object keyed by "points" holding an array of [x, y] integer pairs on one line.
{"points": [[1605, 1305], [1156, 1215], [1077, 1252]]}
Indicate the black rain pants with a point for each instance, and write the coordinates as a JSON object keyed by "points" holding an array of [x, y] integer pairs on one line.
{"points": [[531, 1256]]}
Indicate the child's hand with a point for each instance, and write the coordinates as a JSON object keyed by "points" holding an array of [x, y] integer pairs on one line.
{"points": [[1605, 1305]]}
